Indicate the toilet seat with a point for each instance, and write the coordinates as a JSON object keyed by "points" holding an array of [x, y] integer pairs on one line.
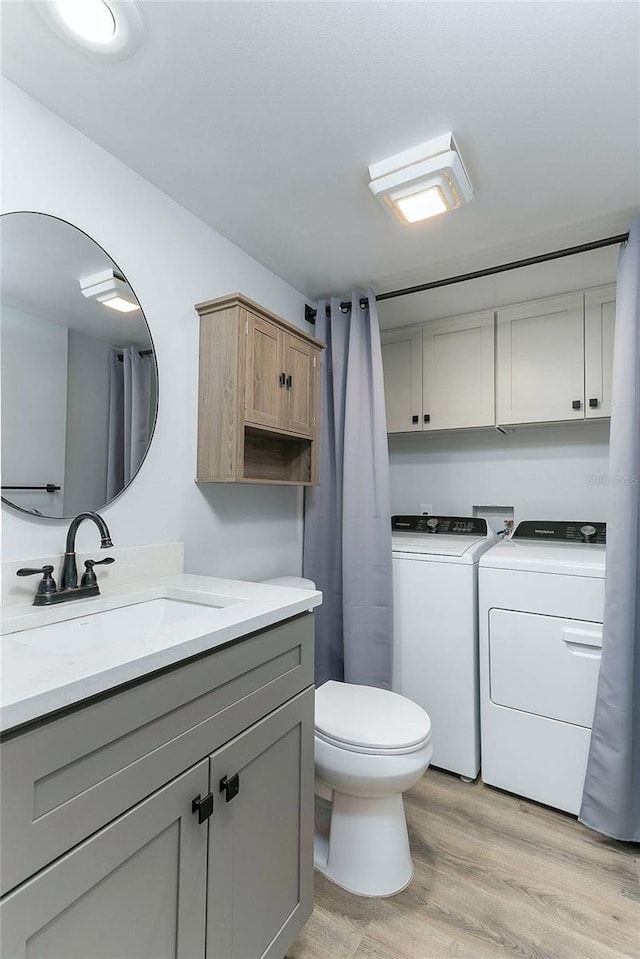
{"points": [[365, 719]]}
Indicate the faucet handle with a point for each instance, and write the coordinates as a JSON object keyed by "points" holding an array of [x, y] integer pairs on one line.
{"points": [[47, 584], [89, 577]]}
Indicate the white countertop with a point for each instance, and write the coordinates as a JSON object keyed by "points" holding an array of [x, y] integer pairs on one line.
{"points": [[36, 682]]}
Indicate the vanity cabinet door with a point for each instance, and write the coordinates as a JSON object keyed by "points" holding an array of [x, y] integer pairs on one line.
{"points": [[260, 882], [135, 889]]}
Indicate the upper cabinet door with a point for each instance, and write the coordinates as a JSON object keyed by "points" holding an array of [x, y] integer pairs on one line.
{"points": [[540, 357], [264, 385], [298, 393], [599, 323], [459, 369], [402, 365]]}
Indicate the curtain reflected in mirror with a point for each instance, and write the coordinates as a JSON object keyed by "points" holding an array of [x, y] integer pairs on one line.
{"points": [[79, 380]]}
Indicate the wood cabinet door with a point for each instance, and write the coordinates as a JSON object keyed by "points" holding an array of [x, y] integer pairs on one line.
{"points": [[599, 324], [260, 882], [459, 372], [298, 393], [540, 361], [402, 367], [135, 889], [264, 386]]}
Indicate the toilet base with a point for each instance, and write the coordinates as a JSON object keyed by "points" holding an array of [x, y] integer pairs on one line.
{"points": [[362, 844]]}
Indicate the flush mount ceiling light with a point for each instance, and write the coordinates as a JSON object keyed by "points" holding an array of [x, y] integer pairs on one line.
{"points": [[107, 27], [108, 288], [423, 181]]}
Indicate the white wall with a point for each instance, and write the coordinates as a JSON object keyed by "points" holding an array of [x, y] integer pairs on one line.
{"points": [[34, 408], [172, 261], [545, 472]]}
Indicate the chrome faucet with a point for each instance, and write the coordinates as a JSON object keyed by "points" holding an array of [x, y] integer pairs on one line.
{"points": [[47, 593]]}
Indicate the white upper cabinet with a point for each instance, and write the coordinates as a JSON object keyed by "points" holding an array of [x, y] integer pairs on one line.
{"points": [[540, 359], [402, 365], [458, 372], [599, 322]]}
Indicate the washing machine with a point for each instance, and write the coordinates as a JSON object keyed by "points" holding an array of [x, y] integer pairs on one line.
{"points": [[435, 646], [541, 608]]}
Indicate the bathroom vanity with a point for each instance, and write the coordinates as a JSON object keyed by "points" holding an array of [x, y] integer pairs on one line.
{"points": [[158, 794]]}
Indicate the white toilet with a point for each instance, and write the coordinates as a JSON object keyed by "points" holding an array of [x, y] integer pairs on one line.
{"points": [[370, 746]]}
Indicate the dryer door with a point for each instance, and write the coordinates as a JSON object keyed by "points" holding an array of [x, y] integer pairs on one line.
{"points": [[544, 665]]}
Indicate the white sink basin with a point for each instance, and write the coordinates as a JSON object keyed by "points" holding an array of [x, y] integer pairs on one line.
{"points": [[124, 624]]}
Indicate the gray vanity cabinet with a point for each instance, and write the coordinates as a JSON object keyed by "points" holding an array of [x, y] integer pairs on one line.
{"points": [[103, 853], [136, 889]]}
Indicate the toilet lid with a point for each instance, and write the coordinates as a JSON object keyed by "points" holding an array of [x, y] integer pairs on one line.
{"points": [[370, 718]]}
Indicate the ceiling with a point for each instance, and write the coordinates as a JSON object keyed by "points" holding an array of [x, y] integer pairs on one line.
{"points": [[262, 118], [42, 260]]}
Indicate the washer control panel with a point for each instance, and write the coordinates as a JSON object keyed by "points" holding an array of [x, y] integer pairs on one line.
{"points": [[563, 532], [451, 525]]}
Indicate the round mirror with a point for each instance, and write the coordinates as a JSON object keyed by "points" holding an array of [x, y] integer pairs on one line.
{"points": [[79, 375]]}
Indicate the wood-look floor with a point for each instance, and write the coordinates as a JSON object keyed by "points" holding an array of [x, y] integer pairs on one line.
{"points": [[496, 877]]}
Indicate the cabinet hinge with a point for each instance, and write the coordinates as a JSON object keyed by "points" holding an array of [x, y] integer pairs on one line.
{"points": [[314, 362], [246, 327]]}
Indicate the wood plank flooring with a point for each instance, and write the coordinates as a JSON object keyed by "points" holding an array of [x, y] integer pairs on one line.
{"points": [[496, 877]]}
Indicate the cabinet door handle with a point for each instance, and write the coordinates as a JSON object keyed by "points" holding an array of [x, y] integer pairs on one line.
{"points": [[283, 379], [289, 382], [203, 807], [427, 417], [594, 403], [576, 405], [230, 787], [415, 418]]}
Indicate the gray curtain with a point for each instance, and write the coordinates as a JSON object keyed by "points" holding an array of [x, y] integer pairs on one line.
{"points": [[611, 799], [131, 384], [347, 536]]}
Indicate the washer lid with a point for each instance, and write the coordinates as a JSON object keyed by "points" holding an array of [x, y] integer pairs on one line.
{"points": [[369, 717]]}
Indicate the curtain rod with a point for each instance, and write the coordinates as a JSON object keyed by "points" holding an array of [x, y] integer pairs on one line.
{"points": [[310, 313]]}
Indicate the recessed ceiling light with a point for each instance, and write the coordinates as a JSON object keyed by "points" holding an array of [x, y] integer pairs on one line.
{"points": [[423, 181], [109, 289], [107, 27], [89, 19]]}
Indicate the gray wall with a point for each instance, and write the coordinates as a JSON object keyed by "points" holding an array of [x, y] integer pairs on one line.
{"points": [[87, 424]]}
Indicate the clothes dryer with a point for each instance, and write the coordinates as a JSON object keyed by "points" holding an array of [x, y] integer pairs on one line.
{"points": [[541, 611]]}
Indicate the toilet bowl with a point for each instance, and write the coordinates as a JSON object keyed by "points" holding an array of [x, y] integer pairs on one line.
{"points": [[370, 746]]}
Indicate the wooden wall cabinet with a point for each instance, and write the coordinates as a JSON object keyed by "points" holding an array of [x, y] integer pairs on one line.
{"points": [[258, 396]]}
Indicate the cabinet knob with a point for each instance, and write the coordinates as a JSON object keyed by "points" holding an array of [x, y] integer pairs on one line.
{"points": [[230, 787], [594, 403], [415, 418], [203, 807], [576, 405], [427, 417], [289, 382], [283, 379]]}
